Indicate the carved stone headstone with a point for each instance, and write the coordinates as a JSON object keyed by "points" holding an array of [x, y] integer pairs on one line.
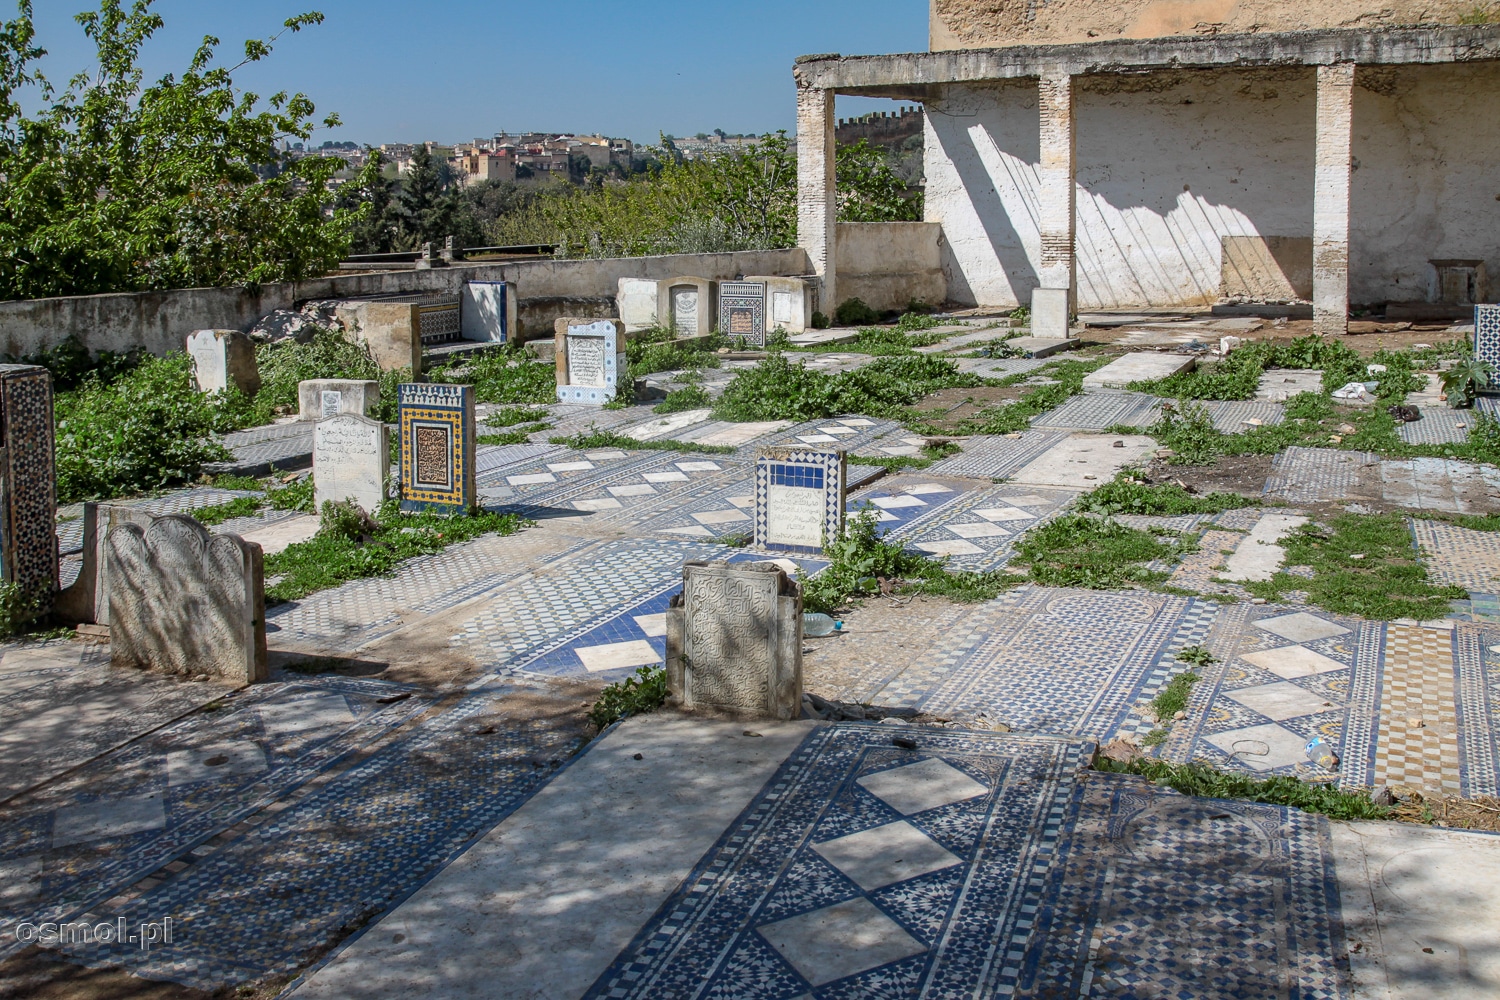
{"points": [[318, 398], [790, 303], [222, 358], [686, 305], [351, 460], [28, 481], [1487, 334], [590, 356], [734, 640], [636, 301], [86, 600], [742, 311], [485, 309], [799, 498], [184, 601], [437, 447]]}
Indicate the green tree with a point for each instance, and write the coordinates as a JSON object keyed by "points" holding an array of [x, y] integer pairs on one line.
{"points": [[434, 206], [869, 188], [117, 186], [380, 228]]}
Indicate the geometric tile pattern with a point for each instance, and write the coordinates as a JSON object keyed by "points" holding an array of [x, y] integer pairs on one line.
{"points": [[1307, 475], [1417, 744], [977, 530], [28, 533], [1487, 334], [1458, 556], [997, 457], [1048, 882], [1439, 425], [1232, 416], [1095, 411], [437, 447]]}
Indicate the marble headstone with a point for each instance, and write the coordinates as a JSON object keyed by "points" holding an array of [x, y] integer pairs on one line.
{"points": [[742, 311], [351, 460], [686, 305], [485, 309], [437, 447], [86, 599], [28, 481], [319, 398], [222, 358], [636, 301], [799, 498], [590, 357], [184, 601], [734, 640], [790, 303]]}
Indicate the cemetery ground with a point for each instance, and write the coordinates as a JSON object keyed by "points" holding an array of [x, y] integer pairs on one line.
{"points": [[1090, 625]]}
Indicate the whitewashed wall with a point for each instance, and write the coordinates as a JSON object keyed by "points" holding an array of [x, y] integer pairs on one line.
{"points": [[1170, 164]]}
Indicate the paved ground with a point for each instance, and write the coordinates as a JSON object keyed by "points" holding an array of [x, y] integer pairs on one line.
{"points": [[398, 811]]}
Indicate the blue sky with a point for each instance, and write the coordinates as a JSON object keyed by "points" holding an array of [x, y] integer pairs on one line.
{"points": [[415, 70]]}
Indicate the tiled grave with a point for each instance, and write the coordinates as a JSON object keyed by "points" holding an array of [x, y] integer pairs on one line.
{"points": [[1094, 411], [978, 529], [257, 449], [1458, 556], [997, 456], [1238, 416], [1138, 367], [1307, 475], [1439, 425], [835, 882]]}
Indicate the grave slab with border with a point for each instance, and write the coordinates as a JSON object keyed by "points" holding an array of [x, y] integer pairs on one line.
{"points": [[351, 460], [742, 311], [799, 498], [590, 359], [686, 305], [1487, 334], [184, 601], [222, 358], [320, 398], [436, 422], [734, 640]]}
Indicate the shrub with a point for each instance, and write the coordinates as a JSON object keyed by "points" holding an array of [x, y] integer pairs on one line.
{"points": [[149, 428], [854, 312], [644, 691]]}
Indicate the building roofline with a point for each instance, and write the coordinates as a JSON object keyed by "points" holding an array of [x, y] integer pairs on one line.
{"points": [[907, 75]]}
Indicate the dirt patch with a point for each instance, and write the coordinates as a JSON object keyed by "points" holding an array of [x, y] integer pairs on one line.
{"points": [[947, 408], [1242, 474], [1371, 336], [1479, 813], [38, 974]]}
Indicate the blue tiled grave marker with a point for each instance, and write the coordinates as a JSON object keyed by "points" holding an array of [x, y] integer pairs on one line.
{"points": [[590, 360], [437, 447], [1487, 334], [799, 498], [742, 311]]}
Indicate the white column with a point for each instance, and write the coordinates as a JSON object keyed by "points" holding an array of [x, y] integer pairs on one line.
{"points": [[817, 205], [1331, 199], [1052, 304]]}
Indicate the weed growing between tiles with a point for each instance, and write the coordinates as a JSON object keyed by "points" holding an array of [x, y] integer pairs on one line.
{"points": [[894, 463], [1312, 421], [521, 422], [903, 338], [1238, 375], [778, 389], [596, 438], [1130, 493], [1011, 418], [1173, 698], [504, 375], [642, 692], [1081, 550], [1362, 564], [659, 349], [295, 496], [862, 564], [1204, 781], [351, 545], [692, 396]]}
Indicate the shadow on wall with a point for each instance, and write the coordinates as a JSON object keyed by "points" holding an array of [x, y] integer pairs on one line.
{"points": [[1168, 167]]}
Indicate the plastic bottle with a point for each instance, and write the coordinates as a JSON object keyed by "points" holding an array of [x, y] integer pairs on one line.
{"points": [[1320, 753], [815, 624]]}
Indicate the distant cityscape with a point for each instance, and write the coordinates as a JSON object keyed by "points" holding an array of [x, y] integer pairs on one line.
{"points": [[542, 156]]}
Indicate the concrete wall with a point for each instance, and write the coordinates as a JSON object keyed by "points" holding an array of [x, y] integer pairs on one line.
{"points": [[1171, 165], [546, 289], [970, 24], [888, 264]]}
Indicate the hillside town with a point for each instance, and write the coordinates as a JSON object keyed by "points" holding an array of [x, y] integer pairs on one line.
{"points": [[1039, 539]]}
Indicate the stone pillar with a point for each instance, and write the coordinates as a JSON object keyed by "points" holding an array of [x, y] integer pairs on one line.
{"points": [[817, 199], [1331, 199], [1053, 302]]}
